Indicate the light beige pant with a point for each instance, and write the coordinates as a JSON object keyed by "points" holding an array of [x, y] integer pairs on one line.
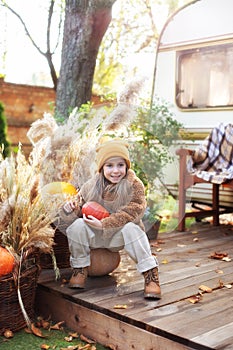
{"points": [[131, 237]]}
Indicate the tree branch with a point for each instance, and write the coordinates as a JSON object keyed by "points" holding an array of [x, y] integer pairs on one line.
{"points": [[24, 25], [48, 54]]}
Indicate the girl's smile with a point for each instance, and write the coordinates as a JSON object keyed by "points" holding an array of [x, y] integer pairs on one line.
{"points": [[114, 169]]}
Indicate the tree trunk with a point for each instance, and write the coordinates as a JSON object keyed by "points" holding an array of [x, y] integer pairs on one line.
{"points": [[85, 25]]}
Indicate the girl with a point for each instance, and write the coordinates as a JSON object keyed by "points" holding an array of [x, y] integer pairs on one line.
{"points": [[121, 192]]}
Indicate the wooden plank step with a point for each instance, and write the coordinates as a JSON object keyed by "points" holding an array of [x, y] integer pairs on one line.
{"points": [[106, 330]]}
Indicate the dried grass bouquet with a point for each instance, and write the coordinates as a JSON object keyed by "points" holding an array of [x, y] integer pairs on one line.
{"points": [[25, 221]]}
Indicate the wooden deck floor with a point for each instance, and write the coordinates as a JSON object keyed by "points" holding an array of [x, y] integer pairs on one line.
{"points": [[170, 323]]}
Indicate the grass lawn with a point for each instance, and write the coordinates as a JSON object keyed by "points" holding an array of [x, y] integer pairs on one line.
{"points": [[53, 340]]}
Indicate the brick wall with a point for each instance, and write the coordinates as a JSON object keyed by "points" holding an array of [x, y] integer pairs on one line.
{"points": [[23, 104]]}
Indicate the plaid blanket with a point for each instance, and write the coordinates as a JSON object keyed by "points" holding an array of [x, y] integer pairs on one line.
{"points": [[213, 159]]}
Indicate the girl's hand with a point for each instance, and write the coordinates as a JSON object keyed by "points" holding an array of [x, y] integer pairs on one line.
{"points": [[69, 207], [92, 221]]}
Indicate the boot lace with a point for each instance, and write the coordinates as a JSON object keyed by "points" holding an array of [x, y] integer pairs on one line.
{"points": [[151, 276], [80, 270]]}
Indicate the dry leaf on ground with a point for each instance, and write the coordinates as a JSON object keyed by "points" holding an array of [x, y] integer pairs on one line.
{"points": [[87, 346], [206, 289], [227, 259], [8, 334], [120, 306], [58, 326], [165, 261], [74, 334], [195, 299], [218, 255], [69, 338], [87, 340], [36, 331]]}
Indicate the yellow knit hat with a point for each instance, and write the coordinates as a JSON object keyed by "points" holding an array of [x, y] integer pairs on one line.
{"points": [[112, 148]]}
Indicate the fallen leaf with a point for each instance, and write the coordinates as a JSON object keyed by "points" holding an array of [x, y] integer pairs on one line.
{"points": [[226, 259], [87, 346], [71, 347], [198, 264], [74, 335], [160, 241], [45, 324], [87, 340], [195, 299], [36, 331], [206, 289], [195, 239], [58, 326], [194, 232], [229, 286], [165, 261], [120, 306], [219, 271], [69, 338], [27, 330], [219, 256], [8, 334], [181, 245], [159, 249], [221, 284], [44, 346]]}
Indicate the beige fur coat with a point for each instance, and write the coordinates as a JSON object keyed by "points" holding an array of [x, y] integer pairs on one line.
{"points": [[131, 208]]}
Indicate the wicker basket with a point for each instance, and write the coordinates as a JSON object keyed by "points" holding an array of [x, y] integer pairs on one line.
{"points": [[11, 316], [61, 251]]}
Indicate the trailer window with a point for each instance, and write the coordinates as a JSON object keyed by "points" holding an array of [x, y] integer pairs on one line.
{"points": [[205, 77]]}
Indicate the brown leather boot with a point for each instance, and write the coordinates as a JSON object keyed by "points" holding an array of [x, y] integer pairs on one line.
{"points": [[152, 288], [78, 278]]}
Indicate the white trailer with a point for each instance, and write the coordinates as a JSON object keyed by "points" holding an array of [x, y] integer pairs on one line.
{"points": [[194, 73]]}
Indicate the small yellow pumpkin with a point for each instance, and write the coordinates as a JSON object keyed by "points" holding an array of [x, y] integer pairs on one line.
{"points": [[59, 187]]}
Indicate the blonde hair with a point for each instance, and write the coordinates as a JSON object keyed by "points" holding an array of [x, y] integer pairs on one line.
{"points": [[120, 193]]}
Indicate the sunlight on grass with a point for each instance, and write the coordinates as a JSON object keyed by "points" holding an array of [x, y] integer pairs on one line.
{"points": [[53, 339]]}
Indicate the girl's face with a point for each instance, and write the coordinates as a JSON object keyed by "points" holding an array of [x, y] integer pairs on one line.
{"points": [[114, 169]]}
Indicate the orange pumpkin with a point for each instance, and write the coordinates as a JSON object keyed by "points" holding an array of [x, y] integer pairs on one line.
{"points": [[103, 262], [6, 262], [95, 209], [59, 187]]}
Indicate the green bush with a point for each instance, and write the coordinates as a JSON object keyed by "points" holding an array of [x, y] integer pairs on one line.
{"points": [[4, 143], [154, 130]]}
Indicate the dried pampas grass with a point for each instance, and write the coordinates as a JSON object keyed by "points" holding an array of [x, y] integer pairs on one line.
{"points": [[67, 152], [25, 220], [41, 129]]}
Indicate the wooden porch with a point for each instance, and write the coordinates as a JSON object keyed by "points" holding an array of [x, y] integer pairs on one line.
{"points": [[112, 310]]}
